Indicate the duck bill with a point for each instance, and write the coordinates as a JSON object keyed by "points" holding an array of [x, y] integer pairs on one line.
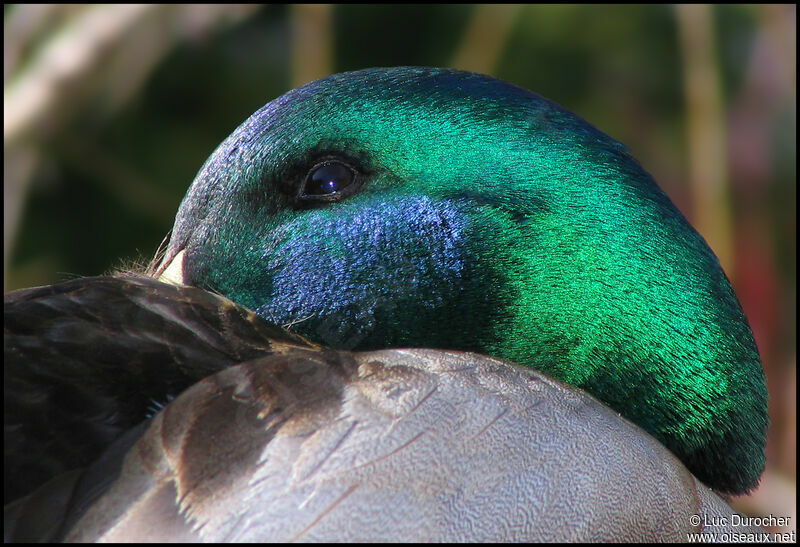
{"points": [[172, 271]]}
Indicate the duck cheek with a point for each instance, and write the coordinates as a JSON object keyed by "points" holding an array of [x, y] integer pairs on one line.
{"points": [[367, 276]]}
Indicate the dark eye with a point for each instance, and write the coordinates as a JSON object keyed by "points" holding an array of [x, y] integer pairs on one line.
{"points": [[327, 180]]}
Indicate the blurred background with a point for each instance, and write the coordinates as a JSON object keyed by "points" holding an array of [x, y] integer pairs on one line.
{"points": [[109, 111]]}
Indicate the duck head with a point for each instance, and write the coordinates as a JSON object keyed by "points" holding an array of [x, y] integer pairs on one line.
{"points": [[417, 207]]}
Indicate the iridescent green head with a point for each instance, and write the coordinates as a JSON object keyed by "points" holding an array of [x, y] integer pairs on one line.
{"points": [[427, 207]]}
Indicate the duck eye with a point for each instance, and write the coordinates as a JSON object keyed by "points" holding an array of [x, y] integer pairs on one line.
{"points": [[327, 180]]}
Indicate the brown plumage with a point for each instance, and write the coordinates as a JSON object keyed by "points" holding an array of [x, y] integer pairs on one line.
{"points": [[282, 440]]}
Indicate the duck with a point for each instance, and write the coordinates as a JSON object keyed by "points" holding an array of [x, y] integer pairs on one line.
{"points": [[401, 303]]}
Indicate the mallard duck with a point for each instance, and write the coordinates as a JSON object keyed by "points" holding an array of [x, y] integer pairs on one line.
{"points": [[396, 208]]}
